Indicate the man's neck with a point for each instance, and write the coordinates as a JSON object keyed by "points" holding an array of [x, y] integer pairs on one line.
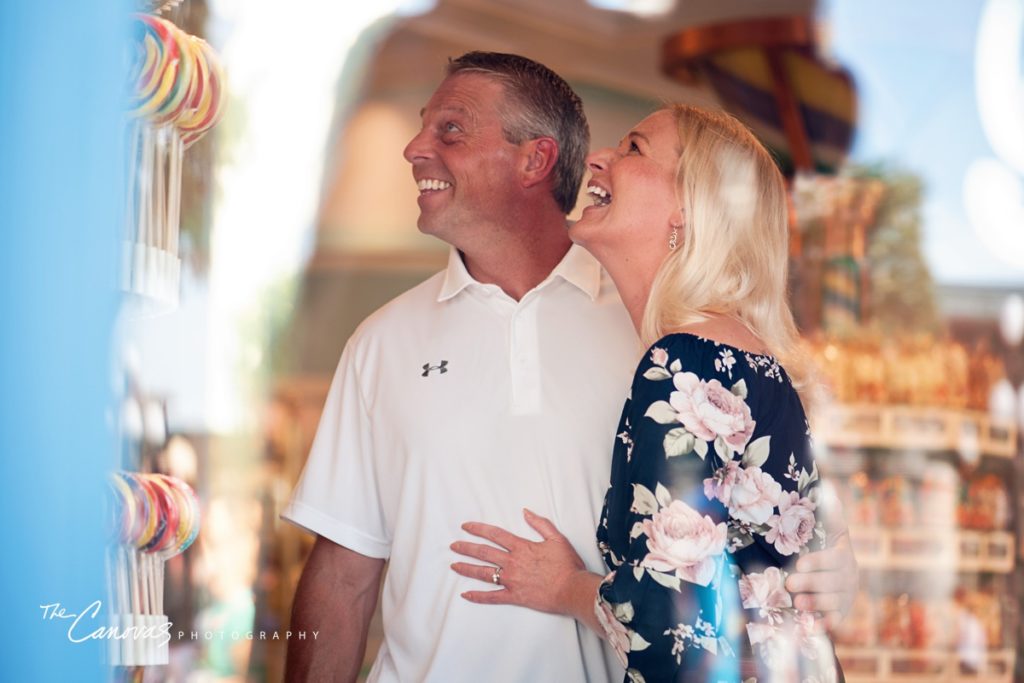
{"points": [[522, 260]]}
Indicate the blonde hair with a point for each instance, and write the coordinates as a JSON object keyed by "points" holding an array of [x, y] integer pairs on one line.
{"points": [[733, 255]]}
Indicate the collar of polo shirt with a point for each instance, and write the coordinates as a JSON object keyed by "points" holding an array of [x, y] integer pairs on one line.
{"points": [[577, 267]]}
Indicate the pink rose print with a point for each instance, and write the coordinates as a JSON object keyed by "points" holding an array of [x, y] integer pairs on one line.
{"points": [[792, 528], [679, 539], [754, 496], [765, 592], [719, 486], [708, 411], [614, 630], [760, 633]]}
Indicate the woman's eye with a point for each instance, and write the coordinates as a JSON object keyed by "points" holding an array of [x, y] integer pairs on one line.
{"points": [[633, 147]]}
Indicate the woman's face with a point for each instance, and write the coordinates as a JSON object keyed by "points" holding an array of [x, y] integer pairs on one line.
{"points": [[633, 190]]}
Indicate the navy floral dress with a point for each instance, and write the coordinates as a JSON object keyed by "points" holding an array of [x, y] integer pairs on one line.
{"points": [[713, 497]]}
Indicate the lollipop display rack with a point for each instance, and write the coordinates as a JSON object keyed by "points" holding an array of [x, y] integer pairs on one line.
{"points": [[153, 518], [177, 96]]}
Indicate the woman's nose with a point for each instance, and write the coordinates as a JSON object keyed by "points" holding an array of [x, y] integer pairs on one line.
{"points": [[598, 159]]}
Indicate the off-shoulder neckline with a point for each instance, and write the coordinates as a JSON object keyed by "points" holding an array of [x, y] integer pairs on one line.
{"points": [[715, 342]]}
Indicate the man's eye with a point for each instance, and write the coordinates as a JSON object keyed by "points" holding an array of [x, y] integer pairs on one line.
{"points": [[451, 127], [633, 147]]}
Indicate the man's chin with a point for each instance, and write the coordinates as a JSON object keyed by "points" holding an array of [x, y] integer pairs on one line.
{"points": [[426, 226]]}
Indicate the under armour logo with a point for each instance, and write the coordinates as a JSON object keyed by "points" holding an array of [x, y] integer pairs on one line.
{"points": [[427, 368]]}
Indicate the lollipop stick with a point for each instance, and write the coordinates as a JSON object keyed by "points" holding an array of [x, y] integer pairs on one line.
{"points": [[180, 160], [148, 583], [145, 186], [163, 566], [161, 187], [147, 164], [140, 578], [133, 588], [122, 582], [108, 567], [140, 565], [140, 180], [152, 186], [144, 583], [152, 584], [133, 171], [165, 235], [155, 561], [176, 157], [168, 214]]}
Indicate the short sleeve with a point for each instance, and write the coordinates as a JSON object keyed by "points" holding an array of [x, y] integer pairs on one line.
{"points": [[338, 494]]}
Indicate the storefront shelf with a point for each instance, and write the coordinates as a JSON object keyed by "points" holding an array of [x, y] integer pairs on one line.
{"points": [[871, 664], [918, 428], [929, 549]]}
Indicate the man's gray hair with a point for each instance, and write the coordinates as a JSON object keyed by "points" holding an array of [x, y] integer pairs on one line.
{"points": [[543, 106]]}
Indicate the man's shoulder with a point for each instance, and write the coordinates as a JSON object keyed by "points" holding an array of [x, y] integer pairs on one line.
{"points": [[418, 303]]}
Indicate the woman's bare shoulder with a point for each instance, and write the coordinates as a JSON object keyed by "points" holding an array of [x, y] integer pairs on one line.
{"points": [[729, 331]]}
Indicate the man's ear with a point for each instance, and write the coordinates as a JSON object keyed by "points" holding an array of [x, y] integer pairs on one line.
{"points": [[539, 157]]}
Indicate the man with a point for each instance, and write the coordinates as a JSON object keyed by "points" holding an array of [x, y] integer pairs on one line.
{"points": [[493, 386]]}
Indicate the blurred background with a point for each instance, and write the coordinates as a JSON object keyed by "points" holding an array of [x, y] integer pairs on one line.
{"points": [[900, 127]]}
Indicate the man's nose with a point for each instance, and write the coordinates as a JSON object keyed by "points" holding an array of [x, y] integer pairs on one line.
{"points": [[418, 148]]}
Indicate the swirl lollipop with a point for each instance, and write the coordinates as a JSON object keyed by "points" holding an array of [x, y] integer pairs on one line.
{"points": [[211, 107], [123, 507], [171, 512], [188, 529], [177, 98], [160, 64], [159, 510]]}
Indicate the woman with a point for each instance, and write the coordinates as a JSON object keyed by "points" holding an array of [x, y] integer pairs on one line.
{"points": [[713, 491]]}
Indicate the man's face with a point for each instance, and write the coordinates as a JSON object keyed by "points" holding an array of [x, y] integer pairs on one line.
{"points": [[463, 166]]}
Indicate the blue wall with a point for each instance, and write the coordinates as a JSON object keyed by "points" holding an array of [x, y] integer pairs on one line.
{"points": [[61, 73]]}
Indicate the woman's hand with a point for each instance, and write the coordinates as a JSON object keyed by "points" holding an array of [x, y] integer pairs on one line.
{"points": [[546, 575]]}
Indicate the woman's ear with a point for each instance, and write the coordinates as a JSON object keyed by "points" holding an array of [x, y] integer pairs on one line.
{"points": [[538, 162], [677, 220]]}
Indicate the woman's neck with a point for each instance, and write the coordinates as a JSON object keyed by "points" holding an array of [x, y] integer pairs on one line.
{"points": [[634, 290]]}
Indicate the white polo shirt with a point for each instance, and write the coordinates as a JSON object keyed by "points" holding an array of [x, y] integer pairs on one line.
{"points": [[456, 403]]}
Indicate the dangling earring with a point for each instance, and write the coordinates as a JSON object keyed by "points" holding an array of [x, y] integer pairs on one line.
{"points": [[673, 238]]}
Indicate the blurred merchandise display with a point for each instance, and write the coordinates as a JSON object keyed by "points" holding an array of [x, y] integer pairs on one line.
{"points": [[927, 482], [902, 637], [923, 465], [857, 245], [980, 503], [908, 371]]}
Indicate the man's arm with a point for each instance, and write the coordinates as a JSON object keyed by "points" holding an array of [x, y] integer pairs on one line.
{"points": [[336, 596]]}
